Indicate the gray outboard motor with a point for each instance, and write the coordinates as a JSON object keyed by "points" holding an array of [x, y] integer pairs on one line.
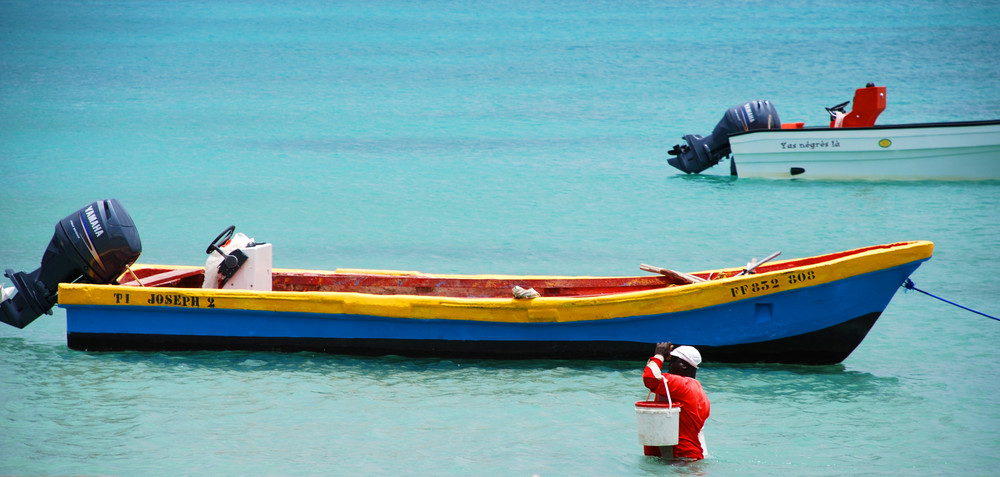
{"points": [[701, 153], [94, 244]]}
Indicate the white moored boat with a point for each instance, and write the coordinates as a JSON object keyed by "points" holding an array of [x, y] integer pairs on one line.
{"points": [[963, 150], [852, 147]]}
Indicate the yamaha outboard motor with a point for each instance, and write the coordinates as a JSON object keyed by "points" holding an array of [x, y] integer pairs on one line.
{"points": [[700, 153], [94, 244]]}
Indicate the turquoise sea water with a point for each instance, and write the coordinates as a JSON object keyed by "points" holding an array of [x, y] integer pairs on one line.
{"points": [[487, 137]]}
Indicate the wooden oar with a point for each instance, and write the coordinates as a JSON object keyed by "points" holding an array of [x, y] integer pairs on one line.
{"points": [[677, 276], [754, 264], [130, 272]]}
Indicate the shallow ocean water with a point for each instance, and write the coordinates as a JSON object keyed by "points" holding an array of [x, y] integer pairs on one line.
{"points": [[474, 137]]}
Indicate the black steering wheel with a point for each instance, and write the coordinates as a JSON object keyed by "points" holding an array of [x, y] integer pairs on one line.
{"points": [[221, 240], [840, 107]]}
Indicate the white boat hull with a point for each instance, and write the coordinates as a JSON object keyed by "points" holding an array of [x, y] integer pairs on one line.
{"points": [[938, 151]]}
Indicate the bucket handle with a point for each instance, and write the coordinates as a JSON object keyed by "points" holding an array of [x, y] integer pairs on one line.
{"points": [[670, 403]]}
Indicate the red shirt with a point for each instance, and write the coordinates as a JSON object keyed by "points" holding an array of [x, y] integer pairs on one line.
{"points": [[693, 403]]}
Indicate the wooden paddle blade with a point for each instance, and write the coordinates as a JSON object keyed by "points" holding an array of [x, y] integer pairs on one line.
{"points": [[677, 276]]}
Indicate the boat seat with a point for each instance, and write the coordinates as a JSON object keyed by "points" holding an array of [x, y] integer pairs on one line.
{"points": [[163, 277], [869, 102]]}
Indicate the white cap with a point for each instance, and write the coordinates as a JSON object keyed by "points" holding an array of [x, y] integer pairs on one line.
{"points": [[687, 353]]}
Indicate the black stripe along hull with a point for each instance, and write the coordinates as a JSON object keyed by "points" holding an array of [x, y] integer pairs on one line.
{"points": [[828, 346]]}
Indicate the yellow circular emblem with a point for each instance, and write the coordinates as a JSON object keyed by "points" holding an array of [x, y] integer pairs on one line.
{"points": [[884, 143]]}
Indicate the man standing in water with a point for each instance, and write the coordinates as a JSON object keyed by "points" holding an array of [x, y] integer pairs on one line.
{"points": [[686, 391]]}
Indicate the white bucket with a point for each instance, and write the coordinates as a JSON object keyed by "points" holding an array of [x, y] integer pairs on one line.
{"points": [[658, 422]]}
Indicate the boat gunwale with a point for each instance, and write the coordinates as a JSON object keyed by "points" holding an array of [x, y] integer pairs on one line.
{"points": [[951, 124]]}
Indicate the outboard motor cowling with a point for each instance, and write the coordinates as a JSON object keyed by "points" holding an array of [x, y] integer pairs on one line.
{"points": [[700, 153], [94, 244]]}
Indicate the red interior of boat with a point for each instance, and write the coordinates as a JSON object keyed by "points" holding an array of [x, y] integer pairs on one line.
{"points": [[417, 284], [412, 284]]}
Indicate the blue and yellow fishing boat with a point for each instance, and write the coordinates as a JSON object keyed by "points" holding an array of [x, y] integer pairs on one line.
{"points": [[813, 310]]}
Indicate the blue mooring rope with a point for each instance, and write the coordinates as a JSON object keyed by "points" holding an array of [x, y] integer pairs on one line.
{"points": [[908, 284]]}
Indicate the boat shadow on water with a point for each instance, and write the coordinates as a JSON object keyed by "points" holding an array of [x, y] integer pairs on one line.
{"points": [[767, 383], [323, 363], [729, 181], [709, 179], [748, 375]]}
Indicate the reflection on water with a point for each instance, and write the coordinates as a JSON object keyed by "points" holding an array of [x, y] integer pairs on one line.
{"points": [[801, 383]]}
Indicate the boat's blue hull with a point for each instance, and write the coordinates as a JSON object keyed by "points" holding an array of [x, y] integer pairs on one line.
{"points": [[812, 324]]}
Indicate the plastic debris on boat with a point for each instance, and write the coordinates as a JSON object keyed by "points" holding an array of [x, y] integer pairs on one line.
{"points": [[524, 294]]}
